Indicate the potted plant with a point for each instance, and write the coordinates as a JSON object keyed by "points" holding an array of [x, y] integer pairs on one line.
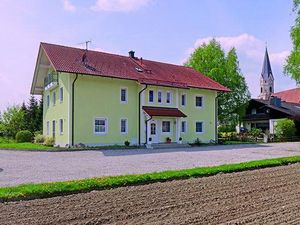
{"points": [[168, 140], [180, 140]]}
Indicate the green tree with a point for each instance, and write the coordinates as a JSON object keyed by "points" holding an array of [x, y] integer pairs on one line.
{"points": [[211, 60], [292, 65], [285, 128], [12, 121]]}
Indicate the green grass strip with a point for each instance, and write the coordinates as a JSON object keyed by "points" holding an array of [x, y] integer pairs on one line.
{"points": [[44, 190]]}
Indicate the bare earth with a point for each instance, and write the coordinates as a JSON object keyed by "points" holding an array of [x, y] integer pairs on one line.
{"points": [[266, 196]]}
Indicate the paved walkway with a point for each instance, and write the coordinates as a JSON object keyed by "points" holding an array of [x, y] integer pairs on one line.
{"points": [[17, 167]]}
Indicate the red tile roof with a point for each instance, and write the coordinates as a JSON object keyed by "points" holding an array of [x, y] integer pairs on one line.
{"points": [[292, 95], [68, 59], [163, 111]]}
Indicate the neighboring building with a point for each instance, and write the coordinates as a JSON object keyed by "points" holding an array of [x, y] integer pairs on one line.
{"points": [[265, 111], [97, 98]]}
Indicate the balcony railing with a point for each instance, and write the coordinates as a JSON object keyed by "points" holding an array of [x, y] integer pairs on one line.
{"points": [[50, 81]]}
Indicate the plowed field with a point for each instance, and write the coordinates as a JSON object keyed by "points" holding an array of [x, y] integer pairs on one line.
{"points": [[266, 196]]}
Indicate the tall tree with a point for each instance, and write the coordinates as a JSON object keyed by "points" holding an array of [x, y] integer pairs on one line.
{"points": [[211, 60], [12, 121], [292, 65]]}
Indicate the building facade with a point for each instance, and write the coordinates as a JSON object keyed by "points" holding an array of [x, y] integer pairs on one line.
{"points": [[96, 98]]}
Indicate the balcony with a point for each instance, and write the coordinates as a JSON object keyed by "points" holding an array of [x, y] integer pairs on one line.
{"points": [[50, 81]]}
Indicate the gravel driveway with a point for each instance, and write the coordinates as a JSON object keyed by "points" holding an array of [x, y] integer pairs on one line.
{"points": [[17, 167]]}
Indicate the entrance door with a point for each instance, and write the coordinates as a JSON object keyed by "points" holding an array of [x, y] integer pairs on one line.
{"points": [[53, 128], [153, 132]]}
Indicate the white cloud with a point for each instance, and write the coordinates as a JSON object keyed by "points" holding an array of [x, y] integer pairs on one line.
{"points": [[68, 6], [119, 5], [251, 50]]}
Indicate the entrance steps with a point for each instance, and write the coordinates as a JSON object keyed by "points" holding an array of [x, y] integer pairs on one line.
{"points": [[168, 145]]}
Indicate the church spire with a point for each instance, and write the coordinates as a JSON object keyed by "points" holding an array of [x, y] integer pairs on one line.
{"points": [[266, 79]]}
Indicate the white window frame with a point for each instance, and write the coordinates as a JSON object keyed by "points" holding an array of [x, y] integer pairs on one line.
{"points": [[202, 106], [48, 101], [54, 98], [47, 127], [171, 97], [202, 127], [183, 121], [126, 126], [167, 132], [106, 125], [61, 126], [61, 94], [185, 98], [161, 96], [126, 95], [149, 96]]}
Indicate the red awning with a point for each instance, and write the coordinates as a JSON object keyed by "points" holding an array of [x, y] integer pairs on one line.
{"points": [[162, 111]]}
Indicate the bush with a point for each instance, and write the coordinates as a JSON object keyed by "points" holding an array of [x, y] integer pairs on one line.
{"points": [[126, 143], [197, 142], [49, 141], [255, 132], [285, 128], [39, 139], [24, 136]]}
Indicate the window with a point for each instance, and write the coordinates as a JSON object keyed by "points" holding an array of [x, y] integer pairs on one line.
{"points": [[271, 89], [123, 126], [253, 111], [61, 94], [199, 101], [54, 98], [151, 95], [183, 99], [199, 127], [100, 126], [169, 98], [48, 100], [166, 126], [159, 95], [61, 126], [47, 128], [183, 126], [124, 95], [153, 129]]}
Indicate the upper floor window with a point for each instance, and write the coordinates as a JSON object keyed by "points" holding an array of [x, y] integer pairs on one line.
{"points": [[183, 99], [54, 98], [166, 126], [199, 127], [61, 94], [123, 126], [100, 126], [151, 95], [124, 95], [169, 98], [253, 111], [199, 101], [48, 100], [159, 97], [271, 89]]}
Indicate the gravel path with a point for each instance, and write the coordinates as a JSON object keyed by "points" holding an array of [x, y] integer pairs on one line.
{"points": [[17, 167], [266, 196]]}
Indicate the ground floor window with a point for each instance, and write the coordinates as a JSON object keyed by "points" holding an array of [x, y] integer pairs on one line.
{"points": [[166, 126], [61, 126], [183, 126], [100, 126], [199, 127], [47, 128], [123, 126]]}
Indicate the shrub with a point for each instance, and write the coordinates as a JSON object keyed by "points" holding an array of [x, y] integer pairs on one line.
{"points": [[127, 143], [197, 142], [285, 128], [39, 139], [24, 136], [49, 141], [255, 132]]}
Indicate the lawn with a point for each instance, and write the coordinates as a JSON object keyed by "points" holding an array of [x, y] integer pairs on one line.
{"points": [[12, 144], [32, 191]]}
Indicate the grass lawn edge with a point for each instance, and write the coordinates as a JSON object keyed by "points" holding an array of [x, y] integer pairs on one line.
{"points": [[45, 190]]}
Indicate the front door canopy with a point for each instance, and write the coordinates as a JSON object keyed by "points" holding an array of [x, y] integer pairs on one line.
{"points": [[163, 111]]}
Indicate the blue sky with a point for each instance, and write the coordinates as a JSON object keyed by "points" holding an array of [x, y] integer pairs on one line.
{"points": [[163, 30]]}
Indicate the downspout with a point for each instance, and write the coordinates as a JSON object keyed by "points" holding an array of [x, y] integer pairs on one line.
{"points": [[146, 122], [216, 118], [140, 93], [73, 85]]}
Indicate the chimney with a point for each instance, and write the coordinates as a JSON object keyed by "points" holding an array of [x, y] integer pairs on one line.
{"points": [[131, 54]]}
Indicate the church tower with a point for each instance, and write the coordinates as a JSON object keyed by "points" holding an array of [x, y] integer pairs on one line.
{"points": [[266, 79]]}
